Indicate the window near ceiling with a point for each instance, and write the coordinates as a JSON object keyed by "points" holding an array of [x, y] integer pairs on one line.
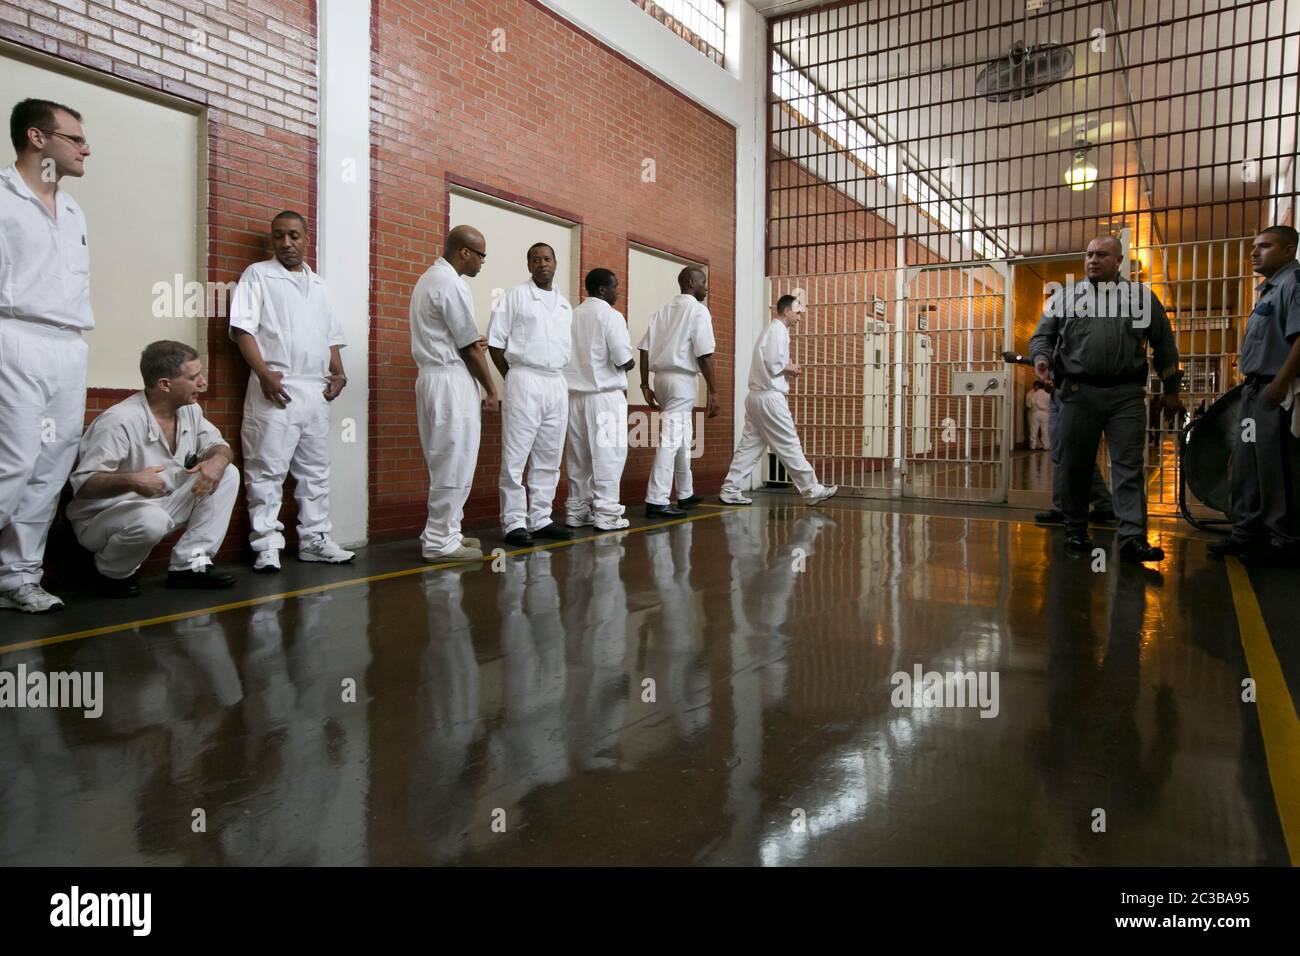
{"points": [[701, 23]]}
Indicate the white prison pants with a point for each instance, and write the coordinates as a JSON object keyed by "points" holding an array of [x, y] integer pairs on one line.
{"points": [[449, 410], [122, 535], [42, 408], [597, 451], [280, 441], [1039, 430], [768, 423], [533, 421], [675, 392]]}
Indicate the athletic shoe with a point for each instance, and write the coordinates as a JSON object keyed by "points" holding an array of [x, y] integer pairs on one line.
{"points": [[459, 554], [612, 524], [468, 542], [268, 561], [580, 521], [734, 498], [826, 493], [30, 599], [323, 550]]}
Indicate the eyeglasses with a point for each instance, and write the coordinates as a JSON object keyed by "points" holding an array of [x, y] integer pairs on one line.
{"points": [[481, 255], [77, 141]]}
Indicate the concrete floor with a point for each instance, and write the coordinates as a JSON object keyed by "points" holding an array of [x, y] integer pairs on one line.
{"points": [[502, 714]]}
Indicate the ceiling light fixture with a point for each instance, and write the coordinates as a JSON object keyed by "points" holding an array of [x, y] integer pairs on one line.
{"points": [[1082, 174]]}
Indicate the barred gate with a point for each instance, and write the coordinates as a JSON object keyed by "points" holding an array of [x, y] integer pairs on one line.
{"points": [[904, 390]]}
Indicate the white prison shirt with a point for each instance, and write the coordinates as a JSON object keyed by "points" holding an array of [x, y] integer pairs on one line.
{"points": [[44, 261], [290, 316], [600, 345], [442, 317], [127, 438], [771, 356], [678, 335], [534, 327]]}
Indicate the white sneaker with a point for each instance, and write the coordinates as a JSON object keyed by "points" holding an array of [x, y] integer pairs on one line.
{"points": [[459, 554], [323, 549], [734, 498], [467, 542], [612, 524], [826, 492], [580, 521], [268, 561], [30, 599]]}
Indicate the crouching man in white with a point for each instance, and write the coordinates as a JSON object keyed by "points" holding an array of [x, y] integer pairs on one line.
{"points": [[767, 414], [282, 320], [149, 465], [597, 437]]}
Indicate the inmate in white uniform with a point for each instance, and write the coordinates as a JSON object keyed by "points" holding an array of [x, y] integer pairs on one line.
{"points": [[447, 400], [597, 433], [44, 308], [290, 317], [1039, 403], [123, 529], [677, 337], [535, 328], [767, 417]]}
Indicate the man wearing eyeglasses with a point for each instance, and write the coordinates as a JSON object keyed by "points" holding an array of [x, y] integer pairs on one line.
{"points": [[448, 349], [44, 309]]}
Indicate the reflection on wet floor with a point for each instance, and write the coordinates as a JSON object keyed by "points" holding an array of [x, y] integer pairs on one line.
{"points": [[713, 692]]}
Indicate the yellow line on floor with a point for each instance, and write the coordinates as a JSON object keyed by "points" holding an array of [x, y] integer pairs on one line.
{"points": [[333, 585], [1278, 723]]}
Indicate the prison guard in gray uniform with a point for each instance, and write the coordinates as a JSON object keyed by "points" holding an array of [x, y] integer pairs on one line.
{"points": [[1095, 341], [1261, 486]]}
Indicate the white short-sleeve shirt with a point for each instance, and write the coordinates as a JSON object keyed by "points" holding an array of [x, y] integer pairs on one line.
{"points": [[290, 316], [128, 438], [44, 259], [534, 327], [678, 335], [442, 317], [771, 356], [601, 345]]}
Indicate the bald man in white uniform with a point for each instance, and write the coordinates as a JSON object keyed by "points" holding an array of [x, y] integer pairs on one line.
{"points": [[446, 345], [678, 347]]}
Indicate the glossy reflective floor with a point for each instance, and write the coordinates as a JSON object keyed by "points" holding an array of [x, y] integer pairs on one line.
{"points": [[713, 692]]}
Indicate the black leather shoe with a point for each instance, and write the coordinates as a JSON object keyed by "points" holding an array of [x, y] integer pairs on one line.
{"points": [[663, 511], [1135, 551], [1235, 547], [519, 537], [1078, 541], [689, 502], [554, 532], [116, 587], [1101, 515], [1050, 517], [205, 580]]}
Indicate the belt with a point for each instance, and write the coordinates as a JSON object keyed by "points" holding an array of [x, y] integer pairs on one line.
{"points": [[1107, 381], [1254, 379]]}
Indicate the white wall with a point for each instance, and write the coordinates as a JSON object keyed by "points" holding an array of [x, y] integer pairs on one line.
{"points": [[738, 94], [343, 245], [143, 229]]}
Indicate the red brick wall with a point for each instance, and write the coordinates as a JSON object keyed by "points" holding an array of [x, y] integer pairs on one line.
{"points": [[562, 121], [252, 63]]}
